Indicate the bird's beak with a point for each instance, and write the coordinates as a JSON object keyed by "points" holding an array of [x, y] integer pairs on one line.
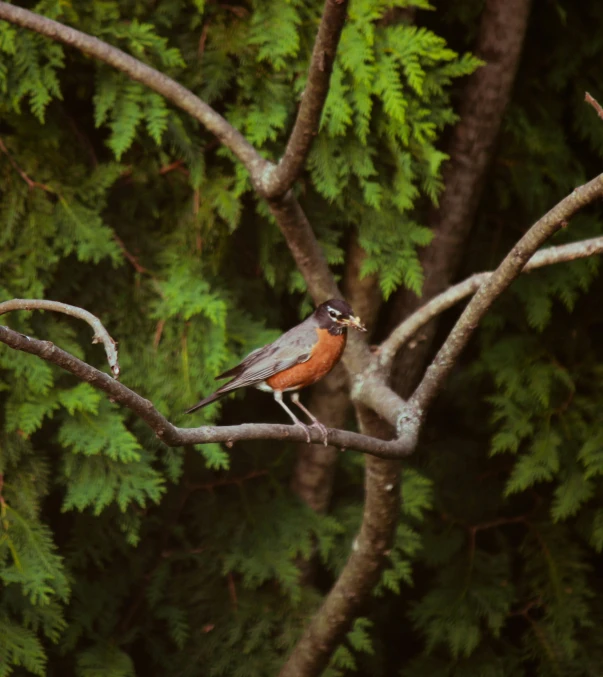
{"points": [[355, 322]]}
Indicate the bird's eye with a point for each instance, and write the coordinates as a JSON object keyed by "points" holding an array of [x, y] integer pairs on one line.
{"points": [[334, 314]]}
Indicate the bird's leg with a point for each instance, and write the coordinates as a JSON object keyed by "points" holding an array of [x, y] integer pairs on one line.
{"points": [[278, 396], [310, 415]]}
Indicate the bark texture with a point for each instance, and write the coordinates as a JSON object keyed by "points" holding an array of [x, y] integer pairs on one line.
{"points": [[314, 470]]}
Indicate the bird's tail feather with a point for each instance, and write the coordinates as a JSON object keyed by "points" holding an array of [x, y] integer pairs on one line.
{"points": [[204, 402]]}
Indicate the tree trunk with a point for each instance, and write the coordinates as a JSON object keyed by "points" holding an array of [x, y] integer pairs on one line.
{"points": [[486, 96]]}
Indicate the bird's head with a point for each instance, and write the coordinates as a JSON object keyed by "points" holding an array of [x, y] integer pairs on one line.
{"points": [[336, 314]]}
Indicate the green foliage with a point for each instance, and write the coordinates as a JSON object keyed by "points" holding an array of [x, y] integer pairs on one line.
{"points": [[287, 534], [114, 201], [512, 549], [357, 640], [20, 647], [101, 660], [119, 556], [417, 499], [125, 105], [389, 88]]}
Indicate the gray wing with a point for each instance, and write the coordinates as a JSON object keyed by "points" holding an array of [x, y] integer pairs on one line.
{"points": [[293, 347]]}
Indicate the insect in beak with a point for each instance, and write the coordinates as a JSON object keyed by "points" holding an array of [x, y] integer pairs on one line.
{"points": [[356, 322]]}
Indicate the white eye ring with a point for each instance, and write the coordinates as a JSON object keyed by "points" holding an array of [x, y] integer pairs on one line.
{"points": [[334, 313]]}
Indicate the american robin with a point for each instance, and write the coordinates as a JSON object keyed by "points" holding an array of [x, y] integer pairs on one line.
{"points": [[297, 359]]}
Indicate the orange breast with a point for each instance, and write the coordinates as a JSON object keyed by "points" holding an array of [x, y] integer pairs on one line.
{"points": [[325, 355]]}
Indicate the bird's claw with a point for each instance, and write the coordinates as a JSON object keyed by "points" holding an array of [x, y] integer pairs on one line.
{"points": [[325, 433], [305, 428]]}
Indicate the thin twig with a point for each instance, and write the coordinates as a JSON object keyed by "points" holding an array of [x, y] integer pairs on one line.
{"points": [[177, 165], [526, 608], [501, 522], [594, 103], [232, 592], [131, 258], [101, 335], [29, 181], [203, 39], [158, 333]]}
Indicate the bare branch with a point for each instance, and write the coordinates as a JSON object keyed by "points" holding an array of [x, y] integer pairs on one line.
{"points": [[174, 436], [101, 335], [28, 180], [141, 270], [594, 103], [313, 99], [494, 286], [153, 79], [546, 257]]}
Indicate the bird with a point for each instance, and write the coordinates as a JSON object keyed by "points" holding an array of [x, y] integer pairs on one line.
{"points": [[300, 357]]}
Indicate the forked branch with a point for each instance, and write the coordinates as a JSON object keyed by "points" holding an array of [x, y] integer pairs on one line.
{"points": [[453, 295], [270, 181], [174, 436], [494, 286], [101, 335], [371, 386]]}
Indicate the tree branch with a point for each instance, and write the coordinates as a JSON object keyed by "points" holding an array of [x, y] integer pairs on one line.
{"points": [[546, 257], [101, 335], [313, 99], [594, 103], [257, 166], [28, 180], [270, 181], [370, 389], [494, 286], [174, 436], [286, 209], [360, 574], [304, 247]]}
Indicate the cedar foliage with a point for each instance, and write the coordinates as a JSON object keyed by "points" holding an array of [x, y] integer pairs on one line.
{"points": [[513, 585], [119, 556]]}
